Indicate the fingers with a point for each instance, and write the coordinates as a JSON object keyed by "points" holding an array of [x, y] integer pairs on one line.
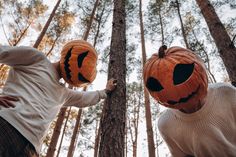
{"points": [[111, 85], [5, 101], [10, 98], [113, 81]]}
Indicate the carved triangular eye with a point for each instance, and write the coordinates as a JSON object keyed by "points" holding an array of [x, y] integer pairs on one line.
{"points": [[182, 72], [82, 78], [153, 84], [81, 58], [67, 65]]}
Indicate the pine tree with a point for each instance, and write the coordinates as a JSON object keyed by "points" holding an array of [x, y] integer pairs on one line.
{"points": [[225, 45], [113, 120]]}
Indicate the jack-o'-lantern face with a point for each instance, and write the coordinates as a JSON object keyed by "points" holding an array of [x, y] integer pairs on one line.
{"points": [[176, 77], [78, 63]]}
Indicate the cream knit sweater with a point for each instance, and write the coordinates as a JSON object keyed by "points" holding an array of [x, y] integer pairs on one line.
{"points": [[209, 132], [35, 81]]}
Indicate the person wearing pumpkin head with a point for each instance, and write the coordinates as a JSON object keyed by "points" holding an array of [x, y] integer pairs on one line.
{"points": [[32, 95], [201, 119]]}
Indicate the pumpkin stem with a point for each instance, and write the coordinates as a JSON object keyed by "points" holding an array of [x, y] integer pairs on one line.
{"points": [[161, 51]]}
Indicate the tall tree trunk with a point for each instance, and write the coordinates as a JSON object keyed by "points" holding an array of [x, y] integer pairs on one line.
{"points": [[38, 41], [223, 42], [113, 122], [75, 134], [56, 133], [182, 25], [150, 139]]}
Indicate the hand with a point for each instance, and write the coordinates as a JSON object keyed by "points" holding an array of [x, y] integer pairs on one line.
{"points": [[5, 101], [111, 85]]}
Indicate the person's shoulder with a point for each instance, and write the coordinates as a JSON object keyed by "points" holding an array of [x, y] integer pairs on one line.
{"points": [[164, 120], [223, 90], [222, 87]]}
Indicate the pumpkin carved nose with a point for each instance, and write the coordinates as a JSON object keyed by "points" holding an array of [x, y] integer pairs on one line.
{"points": [[182, 72]]}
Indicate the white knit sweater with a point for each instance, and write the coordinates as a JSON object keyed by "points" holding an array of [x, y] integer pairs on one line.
{"points": [[35, 81], [209, 132]]}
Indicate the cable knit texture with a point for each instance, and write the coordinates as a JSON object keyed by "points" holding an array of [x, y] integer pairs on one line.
{"points": [[35, 81], [209, 132]]}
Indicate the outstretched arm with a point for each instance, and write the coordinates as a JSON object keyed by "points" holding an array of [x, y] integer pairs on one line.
{"points": [[84, 99]]}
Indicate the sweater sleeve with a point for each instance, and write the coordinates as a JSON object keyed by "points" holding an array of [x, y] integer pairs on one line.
{"points": [[84, 99], [16, 56]]}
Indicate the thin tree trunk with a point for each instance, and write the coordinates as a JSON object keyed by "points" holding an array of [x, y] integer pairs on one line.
{"points": [[63, 132], [52, 47], [90, 20], [22, 34], [211, 76], [76, 129], [56, 133], [75, 134], [150, 139], [113, 122], [223, 42], [99, 25], [38, 41], [97, 139], [158, 2], [182, 25]]}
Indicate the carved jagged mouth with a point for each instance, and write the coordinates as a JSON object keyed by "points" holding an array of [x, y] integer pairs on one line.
{"points": [[182, 100]]}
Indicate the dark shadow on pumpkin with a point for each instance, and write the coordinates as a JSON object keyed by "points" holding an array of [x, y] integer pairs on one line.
{"points": [[82, 78], [183, 100], [153, 85], [67, 65], [81, 58], [182, 72]]}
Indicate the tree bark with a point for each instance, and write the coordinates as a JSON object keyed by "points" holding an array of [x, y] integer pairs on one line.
{"points": [[223, 42], [113, 122], [150, 139], [38, 41]]}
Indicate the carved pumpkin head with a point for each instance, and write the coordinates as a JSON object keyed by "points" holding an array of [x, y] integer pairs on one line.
{"points": [[175, 77], [78, 63]]}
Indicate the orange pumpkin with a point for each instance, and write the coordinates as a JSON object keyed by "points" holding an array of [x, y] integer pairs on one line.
{"points": [[175, 77], [78, 63]]}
